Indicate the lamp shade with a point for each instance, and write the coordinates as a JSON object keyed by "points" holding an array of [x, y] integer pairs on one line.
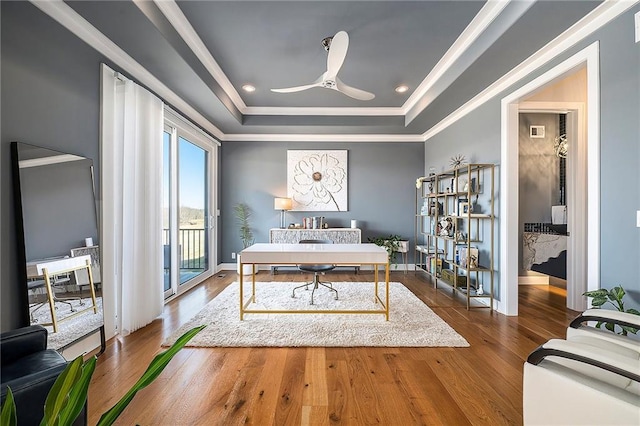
{"points": [[282, 204]]}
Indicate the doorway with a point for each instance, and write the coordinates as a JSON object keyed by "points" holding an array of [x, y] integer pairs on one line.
{"points": [[583, 216], [188, 202]]}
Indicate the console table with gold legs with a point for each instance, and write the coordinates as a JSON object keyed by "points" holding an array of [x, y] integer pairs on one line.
{"points": [[296, 254]]}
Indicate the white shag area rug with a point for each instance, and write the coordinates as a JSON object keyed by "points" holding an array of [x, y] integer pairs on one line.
{"points": [[69, 329], [411, 323]]}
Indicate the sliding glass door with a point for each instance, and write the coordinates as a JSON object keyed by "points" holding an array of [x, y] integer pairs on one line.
{"points": [[188, 202]]}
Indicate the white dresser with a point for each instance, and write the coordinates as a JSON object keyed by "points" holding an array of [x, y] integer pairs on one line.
{"points": [[295, 235]]}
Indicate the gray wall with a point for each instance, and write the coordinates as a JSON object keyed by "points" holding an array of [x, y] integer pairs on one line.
{"points": [[381, 188], [538, 169], [50, 97], [58, 208], [478, 135]]}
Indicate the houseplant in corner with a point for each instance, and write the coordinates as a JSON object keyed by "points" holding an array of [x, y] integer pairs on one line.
{"points": [[243, 213], [394, 244], [614, 297]]}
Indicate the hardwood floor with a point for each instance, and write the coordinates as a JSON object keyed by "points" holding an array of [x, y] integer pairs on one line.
{"points": [[481, 384]]}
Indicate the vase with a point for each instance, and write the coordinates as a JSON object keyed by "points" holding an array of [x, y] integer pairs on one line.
{"points": [[247, 268]]}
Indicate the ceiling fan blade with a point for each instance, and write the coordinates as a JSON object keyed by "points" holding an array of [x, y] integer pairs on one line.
{"points": [[316, 83], [337, 53], [358, 94]]}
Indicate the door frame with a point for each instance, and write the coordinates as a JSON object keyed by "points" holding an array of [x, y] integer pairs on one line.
{"points": [[179, 127], [586, 245]]}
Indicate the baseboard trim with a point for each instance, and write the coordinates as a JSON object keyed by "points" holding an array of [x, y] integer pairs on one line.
{"points": [[533, 280]]}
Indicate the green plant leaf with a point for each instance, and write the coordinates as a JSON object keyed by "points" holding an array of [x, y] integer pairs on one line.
{"points": [[617, 293], [78, 394], [598, 301], [153, 371], [59, 393], [610, 326], [596, 293], [633, 311], [8, 415]]}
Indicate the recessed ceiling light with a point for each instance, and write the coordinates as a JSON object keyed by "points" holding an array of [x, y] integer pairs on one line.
{"points": [[401, 89], [249, 88]]}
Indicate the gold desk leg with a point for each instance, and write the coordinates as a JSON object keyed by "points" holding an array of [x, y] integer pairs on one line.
{"points": [[91, 287], [386, 279], [253, 282], [241, 294], [52, 306], [375, 282]]}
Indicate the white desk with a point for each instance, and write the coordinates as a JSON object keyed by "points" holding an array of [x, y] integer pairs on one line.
{"points": [[295, 235], [296, 254]]}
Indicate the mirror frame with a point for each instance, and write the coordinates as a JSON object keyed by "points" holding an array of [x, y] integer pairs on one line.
{"points": [[25, 319]]}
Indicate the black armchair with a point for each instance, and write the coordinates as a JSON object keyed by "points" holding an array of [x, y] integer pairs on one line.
{"points": [[30, 369]]}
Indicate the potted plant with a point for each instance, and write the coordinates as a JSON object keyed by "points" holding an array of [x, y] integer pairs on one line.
{"points": [[393, 244], [68, 395], [243, 213], [614, 297]]}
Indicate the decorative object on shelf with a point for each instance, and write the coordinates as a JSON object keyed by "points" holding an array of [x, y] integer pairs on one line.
{"points": [[282, 204], [432, 209], [464, 207], [469, 257], [445, 227], [432, 171], [419, 182], [457, 161], [614, 297], [561, 146], [317, 180], [315, 222]]}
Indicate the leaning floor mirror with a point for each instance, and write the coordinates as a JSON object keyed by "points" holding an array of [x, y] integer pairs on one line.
{"points": [[58, 247]]}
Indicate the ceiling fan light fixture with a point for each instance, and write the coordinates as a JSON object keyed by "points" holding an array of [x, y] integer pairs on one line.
{"points": [[337, 47], [402, 88], [249, 88]]}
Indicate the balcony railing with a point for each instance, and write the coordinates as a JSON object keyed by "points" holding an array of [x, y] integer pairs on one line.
{"points": [[193, 248]]}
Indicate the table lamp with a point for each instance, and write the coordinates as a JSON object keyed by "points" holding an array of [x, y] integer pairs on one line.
{"points": [[282, 204]]}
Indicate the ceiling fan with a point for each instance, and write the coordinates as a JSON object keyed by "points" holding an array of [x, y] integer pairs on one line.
{"points": [[337, 47]]}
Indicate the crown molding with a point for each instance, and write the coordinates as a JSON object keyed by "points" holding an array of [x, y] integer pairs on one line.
{"points": [[75, 23], [326, 111], [590, 23], [297, 137], [83, 29], [174, 15], [476, 27]]}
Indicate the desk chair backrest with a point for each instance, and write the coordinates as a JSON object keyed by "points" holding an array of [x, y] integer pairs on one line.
{"points": [[316, 268]]}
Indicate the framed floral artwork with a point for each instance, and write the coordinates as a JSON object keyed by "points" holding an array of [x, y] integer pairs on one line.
{"points": [[317, 180]]}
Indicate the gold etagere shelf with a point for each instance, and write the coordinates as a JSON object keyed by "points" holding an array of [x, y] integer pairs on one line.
{"points": [[455, 232]]}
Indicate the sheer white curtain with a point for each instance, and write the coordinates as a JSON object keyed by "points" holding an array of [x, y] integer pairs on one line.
{"points": [[131, 150]]}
